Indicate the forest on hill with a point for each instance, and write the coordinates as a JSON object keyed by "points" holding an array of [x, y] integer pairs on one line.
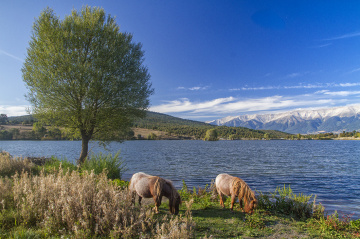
{"points": [[27, 127], [181, 127]]}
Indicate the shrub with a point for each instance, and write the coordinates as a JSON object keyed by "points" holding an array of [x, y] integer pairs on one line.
{"points": [[284, 201], [152, 136], [211, 135], [53, 165], [114, 165], [332, 226], [203, 197]]}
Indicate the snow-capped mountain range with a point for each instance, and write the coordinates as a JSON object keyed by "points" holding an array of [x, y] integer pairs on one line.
{"points": [[337, 119]]}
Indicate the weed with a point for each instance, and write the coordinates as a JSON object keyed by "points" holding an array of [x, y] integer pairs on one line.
{"points": [[284, 201], [331, 226], [255, 220], [114, 165]]}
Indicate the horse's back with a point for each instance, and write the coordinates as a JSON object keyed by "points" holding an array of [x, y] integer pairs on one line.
{"points": [[223, 183], [143, 187], [136, 178]]}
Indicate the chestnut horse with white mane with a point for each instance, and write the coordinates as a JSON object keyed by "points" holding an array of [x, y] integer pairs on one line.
{"points": [[147, 186], [235, 187]]}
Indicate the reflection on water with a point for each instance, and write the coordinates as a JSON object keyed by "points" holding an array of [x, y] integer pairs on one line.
{"points": [[329, 169]]}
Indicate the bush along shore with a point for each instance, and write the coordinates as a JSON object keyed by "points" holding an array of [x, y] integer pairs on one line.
{"points": [[52, 198]]}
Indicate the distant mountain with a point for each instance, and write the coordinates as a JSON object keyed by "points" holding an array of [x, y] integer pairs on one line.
{"points": [[334, 120]]}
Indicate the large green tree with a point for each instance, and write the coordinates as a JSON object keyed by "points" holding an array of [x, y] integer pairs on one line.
{"points": [[84, 74]]}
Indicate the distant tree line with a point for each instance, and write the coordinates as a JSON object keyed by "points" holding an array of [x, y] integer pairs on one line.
{"points": [[41, 131], [155, 121]]}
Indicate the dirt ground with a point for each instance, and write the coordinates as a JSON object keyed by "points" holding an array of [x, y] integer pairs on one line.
{"points": [[17, 126]]}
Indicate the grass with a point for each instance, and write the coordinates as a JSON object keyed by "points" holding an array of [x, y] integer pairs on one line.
{"points": [[280, 214], [61, 200]]}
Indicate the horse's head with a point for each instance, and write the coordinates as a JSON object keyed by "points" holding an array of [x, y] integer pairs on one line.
{"points": [[174, 203], [249, 207]]}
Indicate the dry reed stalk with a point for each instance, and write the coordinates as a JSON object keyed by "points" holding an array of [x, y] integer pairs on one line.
{"points": [[5, 193]]}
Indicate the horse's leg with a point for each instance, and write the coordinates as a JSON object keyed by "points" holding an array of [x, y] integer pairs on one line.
{"points": [[233, 197], [157, 203], [140, 200], [241, 204], [221, 196], [222, 200], [133, 196]]}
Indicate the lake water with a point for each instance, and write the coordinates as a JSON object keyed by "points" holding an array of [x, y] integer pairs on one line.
{"points": [[329, 169]]}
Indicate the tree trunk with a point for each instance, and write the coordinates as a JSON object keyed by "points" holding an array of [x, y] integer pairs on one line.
{"points": [[84, 149]]}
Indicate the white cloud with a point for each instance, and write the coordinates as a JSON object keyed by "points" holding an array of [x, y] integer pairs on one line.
{"points": [[340, 93], [344, 36], [293, 75], [234, 106], [11, 110], [193, 88], [301, 86], [185, 105], [10, 55], [323, 45], [354, 70]]}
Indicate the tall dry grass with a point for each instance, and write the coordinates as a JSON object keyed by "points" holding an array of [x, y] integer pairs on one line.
{"points": [[9, 165], [83, 205]]}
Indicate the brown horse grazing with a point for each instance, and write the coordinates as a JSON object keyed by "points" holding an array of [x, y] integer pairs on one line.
{"points": [[147, 186], [235, 187]]}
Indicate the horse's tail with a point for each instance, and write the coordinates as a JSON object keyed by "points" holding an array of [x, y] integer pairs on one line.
{"points": [[158, 187]]}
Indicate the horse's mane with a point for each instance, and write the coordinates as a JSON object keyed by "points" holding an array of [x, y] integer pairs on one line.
{"points": [[240, 188], [174, 195]]}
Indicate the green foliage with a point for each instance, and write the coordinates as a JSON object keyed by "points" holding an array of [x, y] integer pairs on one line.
{"points": [[121, 183], [114, 166], [197, 130], [211, 135], [5, 135], [332, 226], [203, 198], [53, 165], [255, 220], [284, 201], [3, 119], [152, 136], [83, 73]]}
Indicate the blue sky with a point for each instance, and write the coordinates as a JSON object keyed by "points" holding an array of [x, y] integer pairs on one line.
{"points": [[211, 59]]}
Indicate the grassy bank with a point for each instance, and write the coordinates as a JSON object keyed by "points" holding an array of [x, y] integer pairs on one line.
{"points": [[60, 200]]}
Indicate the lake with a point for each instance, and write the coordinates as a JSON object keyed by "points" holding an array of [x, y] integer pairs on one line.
{"points": [[330, 169]]}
